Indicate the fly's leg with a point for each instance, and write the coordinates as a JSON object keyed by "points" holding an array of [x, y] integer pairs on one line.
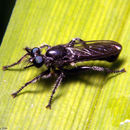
{"points": [[57, 83], [76, 69], [108, 70], [45, 45], [102, 69], [45, 74], [75, 41], [6, 67], [28, 66], [27, 49], [92, 68]]}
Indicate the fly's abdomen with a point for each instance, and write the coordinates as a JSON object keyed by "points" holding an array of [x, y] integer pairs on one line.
{"points": [[98, 51]]}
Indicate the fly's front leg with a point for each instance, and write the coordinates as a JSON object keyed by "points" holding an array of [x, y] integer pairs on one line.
{"points": [[6, 67], [28, 66], [76, 41], [45, 74], [57, 83], [92, 68]]}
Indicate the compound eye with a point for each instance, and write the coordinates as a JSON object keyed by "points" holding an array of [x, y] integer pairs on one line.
{"points": [[38, 62], [35, 50]]}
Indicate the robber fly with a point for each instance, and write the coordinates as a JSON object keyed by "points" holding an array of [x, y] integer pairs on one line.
{"points": [[58, 58]]}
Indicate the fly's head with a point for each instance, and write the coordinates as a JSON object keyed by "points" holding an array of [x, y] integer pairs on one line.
{"points": [[35, 56]]}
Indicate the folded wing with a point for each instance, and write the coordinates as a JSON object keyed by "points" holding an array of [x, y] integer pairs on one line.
{"points": [[96, 50]]}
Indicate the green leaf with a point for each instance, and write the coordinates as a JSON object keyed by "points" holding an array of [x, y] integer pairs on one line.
{"points": [[88, 101]]}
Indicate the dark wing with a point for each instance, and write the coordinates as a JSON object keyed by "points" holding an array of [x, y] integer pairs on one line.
{"points": [[96, 50]]}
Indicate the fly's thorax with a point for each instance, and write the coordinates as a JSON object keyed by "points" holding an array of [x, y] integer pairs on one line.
{"points": [[56, 52]]}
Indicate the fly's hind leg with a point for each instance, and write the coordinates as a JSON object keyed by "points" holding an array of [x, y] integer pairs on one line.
{"points": [[92, 68]]}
